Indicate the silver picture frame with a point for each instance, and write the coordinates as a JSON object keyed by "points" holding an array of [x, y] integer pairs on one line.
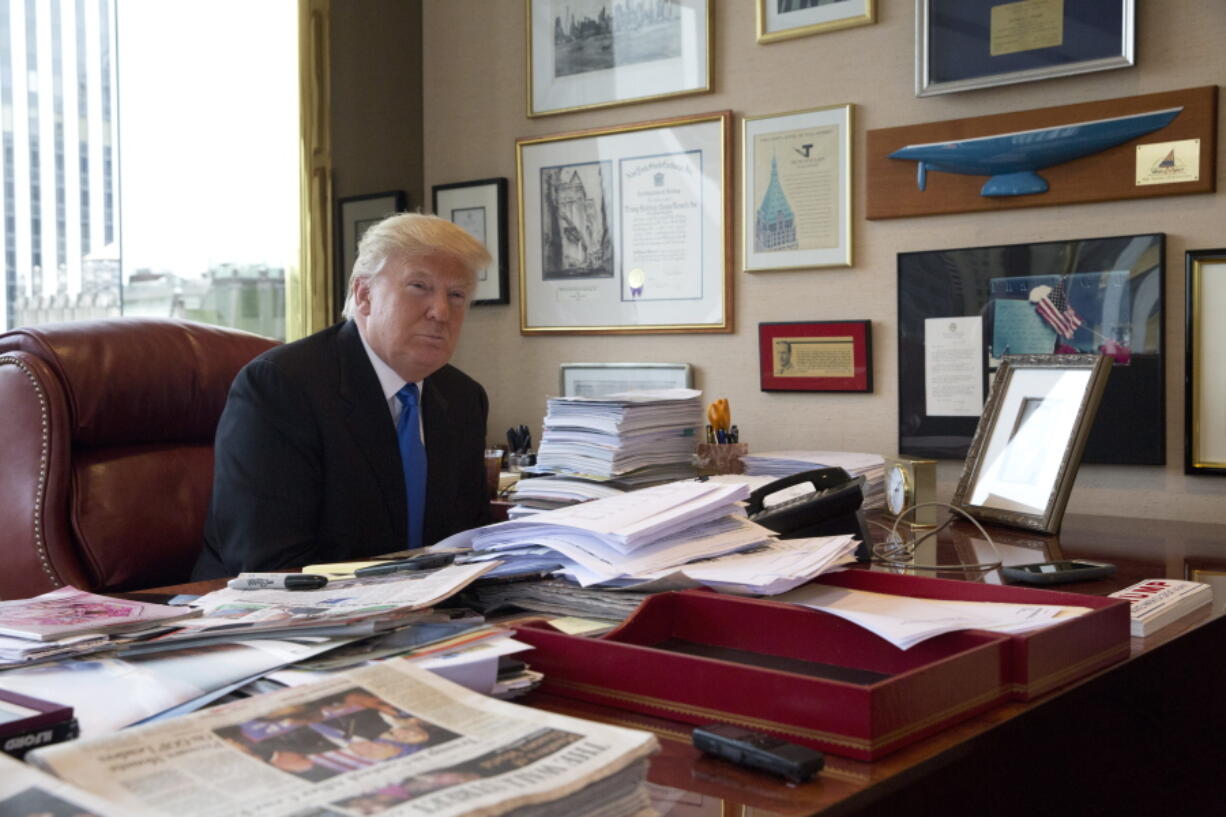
{"points": [[1026, 42], [595, 379], [1027, 448]]}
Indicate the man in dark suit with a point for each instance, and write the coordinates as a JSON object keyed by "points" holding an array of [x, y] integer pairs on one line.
{"points": [[308, 456]]}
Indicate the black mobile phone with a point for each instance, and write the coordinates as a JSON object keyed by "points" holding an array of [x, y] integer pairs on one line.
{"points": [[759, 751], [1066, 570]]}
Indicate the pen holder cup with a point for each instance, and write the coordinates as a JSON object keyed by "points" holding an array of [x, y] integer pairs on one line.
{"points": [[721, 458], [493, 469]]}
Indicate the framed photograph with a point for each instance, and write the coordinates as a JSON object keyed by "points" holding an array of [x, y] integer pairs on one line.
{"points": [[784, 19], [1027, 447], [594, 379], [816, 356], [625, 229], [354, 215], [1205, 376], [961, 46], [961, 311], [480, 207], [585, 54], [797, 189]]}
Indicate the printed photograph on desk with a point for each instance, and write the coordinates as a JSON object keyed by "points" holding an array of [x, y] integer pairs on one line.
{"points": [[625, 229], [816, 356], [797, 188]]}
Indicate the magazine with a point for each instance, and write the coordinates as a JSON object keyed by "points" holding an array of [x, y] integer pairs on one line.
{"points": [[387, 738], [25, 790], [69, 611]]}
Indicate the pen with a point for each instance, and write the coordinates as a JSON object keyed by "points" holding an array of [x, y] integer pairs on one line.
{"points": [[277, 581], [425, 561]]}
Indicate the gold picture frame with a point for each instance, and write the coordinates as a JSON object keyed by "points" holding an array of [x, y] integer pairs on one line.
{"points": [[625, 229], [613, 57], [1205, 380], [785, 19], [792, 157], [1027, 448]]}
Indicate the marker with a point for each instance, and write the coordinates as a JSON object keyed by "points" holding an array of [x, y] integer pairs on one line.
{"points": [[424, 561], [277, 581]]}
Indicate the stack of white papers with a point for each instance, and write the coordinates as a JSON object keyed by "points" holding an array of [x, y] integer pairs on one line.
{"points": [[786, 463], [905, 621], [615, 434], [679, 533]]}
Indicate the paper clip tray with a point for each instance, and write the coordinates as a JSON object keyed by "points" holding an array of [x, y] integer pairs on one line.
{"points": [[807, 676]]}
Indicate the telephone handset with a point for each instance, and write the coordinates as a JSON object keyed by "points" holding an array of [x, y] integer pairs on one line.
{"points": [[832, 508]]}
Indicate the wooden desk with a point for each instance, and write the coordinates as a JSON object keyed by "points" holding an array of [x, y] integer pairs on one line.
{"points": [[1147, 736]]}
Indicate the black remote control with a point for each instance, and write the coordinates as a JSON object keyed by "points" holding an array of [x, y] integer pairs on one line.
{"points": [[759, 751]]}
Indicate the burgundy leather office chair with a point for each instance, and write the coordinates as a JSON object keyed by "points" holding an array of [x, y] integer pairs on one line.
{"points": [[107, 462]]}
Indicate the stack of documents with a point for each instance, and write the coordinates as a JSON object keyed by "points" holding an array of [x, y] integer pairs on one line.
{"points": [[785, 463], [612, 435], [655, 535]]}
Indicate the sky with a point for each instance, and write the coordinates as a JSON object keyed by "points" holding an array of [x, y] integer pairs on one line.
{"points": [[208, 100]]}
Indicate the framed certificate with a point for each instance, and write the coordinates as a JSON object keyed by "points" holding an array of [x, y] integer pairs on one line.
{"points": [[480, 207], [816, 356], [962, 45], [797, 189], [625, 229]]}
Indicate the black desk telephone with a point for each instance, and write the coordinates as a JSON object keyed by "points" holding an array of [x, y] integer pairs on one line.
{"points": [[832, 508]]}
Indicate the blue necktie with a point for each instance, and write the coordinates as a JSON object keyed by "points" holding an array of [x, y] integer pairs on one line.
{"points": [[413, 459]]}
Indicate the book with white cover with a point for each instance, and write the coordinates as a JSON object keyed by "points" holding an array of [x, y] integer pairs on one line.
{"points": [[1158, 602]]}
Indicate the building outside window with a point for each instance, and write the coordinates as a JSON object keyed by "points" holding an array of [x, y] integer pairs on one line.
{"points": [[149, 160]]}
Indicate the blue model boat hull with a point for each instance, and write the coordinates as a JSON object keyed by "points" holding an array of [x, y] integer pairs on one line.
{"points": [[1011, 159]]}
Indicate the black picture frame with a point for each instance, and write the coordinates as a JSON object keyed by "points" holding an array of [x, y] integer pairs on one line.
{"points": [[964, 46], [1204, 363], [481, 208], [353, 215], [1118, 281]]}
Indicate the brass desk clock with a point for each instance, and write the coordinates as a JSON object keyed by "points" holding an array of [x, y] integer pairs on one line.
{"points": [[909, 483]]}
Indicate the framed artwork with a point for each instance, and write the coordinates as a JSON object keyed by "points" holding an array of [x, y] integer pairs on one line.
{"points": [[816, 356], [354, 214], [1027, 447], [585, 54], [797, 189], [625, 229], [480, 207], [784, 19], [1205, 375], [961, 46], [961, 311], [594, 379]]}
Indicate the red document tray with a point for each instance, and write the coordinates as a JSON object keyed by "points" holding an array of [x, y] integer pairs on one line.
{"points": [[1036, 662], [929, 687]]}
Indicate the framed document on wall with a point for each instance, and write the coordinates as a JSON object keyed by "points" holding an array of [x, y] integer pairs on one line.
{"points": [[962, 45], [960, 312], [480, 207], [625, 229]]}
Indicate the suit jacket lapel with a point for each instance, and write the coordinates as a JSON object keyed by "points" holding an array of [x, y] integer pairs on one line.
{"points": [[370, 425], [440, 444]]}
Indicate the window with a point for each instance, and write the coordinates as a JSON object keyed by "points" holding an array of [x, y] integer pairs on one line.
{"points": [[149, 160]]}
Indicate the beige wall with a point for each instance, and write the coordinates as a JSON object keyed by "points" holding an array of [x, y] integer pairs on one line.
{"points": [[473, 110]]}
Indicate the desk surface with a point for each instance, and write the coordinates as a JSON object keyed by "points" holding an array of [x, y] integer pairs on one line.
{"points": [[1144, 734]]}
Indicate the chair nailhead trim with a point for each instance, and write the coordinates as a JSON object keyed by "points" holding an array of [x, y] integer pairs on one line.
{"points": [[43, 464]]}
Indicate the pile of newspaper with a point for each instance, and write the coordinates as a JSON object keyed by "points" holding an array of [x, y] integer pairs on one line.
{"points": [[614, 435], [387, 737], [785, 463], [682, 534]]}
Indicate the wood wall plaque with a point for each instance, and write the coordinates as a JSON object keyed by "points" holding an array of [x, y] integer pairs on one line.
{"points": [[1106, 176]]}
